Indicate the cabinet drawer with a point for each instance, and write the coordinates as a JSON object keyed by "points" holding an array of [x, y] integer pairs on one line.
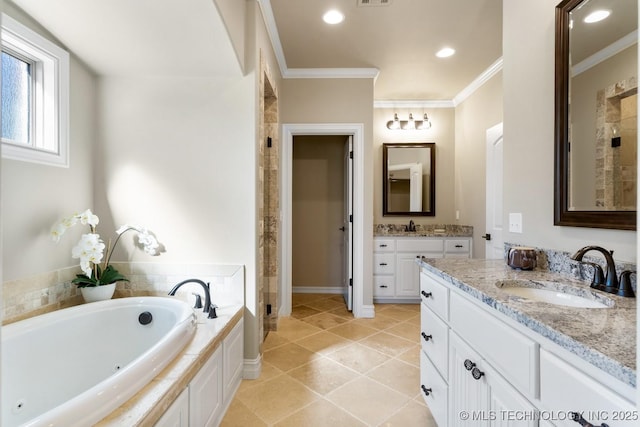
{"points": [[384, 245], [437, 390], [565, 388], [435, 296], [384, 263], [435, 339], [512, 353], [419, 245], [383, 286], [456, 246]]}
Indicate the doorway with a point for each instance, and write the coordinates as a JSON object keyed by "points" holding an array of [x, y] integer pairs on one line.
{"points": [[321, 230], [494, 245], [356, 131]]}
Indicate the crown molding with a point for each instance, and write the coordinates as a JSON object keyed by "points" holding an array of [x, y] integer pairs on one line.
{"points": [[606, 53], [355, 73]]}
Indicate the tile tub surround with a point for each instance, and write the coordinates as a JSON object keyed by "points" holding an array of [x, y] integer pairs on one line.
{"points": [[150, 403], [433, 230], [606, 338]]}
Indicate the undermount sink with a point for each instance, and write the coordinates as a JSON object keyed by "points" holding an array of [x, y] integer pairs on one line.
{"points": [[555, 293]]}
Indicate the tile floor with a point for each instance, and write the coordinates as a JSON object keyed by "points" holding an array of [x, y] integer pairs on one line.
{"points": [[325, 368]]}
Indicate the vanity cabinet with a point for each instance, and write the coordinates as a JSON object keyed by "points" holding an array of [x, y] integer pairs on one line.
{"points": [[395, 272], [480, 368], [177, 415]]}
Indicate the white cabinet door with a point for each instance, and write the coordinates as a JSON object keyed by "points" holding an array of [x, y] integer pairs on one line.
{"points": [[407, 275], [507, 407], [177, 415], [205, 393], [468, 397]]}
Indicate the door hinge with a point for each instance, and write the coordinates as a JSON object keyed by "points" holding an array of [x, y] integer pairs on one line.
{"points": [[351, 154], [269, 142], [350, 282], [268, 309], [350, 218]]}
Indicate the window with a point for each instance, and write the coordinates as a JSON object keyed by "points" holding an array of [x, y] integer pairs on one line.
{"points": [[35, 96]]}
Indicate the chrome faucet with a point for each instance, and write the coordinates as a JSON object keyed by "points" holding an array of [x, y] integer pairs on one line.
{"points": [[208, 307], [611, 284]]}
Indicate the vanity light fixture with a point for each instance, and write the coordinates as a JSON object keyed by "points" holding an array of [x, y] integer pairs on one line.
{"points": [[596, 16], [333, 17], [410, 123]]}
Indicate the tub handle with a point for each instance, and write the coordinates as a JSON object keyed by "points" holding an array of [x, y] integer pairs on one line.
{"points": [[198, 303], [212, 311]]}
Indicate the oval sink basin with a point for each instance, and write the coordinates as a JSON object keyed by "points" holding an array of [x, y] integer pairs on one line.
{"points": [[555, 293]]}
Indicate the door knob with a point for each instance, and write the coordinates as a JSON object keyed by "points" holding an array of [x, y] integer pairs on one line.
{"points": [[487, 236], [341, 228]]}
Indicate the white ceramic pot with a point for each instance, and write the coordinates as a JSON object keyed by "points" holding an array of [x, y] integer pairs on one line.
{"points": [[98, 293]]}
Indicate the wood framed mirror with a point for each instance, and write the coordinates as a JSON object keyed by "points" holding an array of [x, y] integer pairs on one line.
{"points": [[596, 115], [409, 179]]}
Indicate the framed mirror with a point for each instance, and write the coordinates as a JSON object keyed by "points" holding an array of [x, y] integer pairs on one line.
{"points": [[409, 179], [596, 70]]}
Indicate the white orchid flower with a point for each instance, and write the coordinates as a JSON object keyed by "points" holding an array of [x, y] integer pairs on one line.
{"points": [[88, 217]]}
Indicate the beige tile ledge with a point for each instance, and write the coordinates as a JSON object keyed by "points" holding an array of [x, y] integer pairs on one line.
{"points": [[148, 405]]}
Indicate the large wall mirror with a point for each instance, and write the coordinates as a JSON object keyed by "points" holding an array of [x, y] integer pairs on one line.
{"points": [[409, 175], [596, 114]]}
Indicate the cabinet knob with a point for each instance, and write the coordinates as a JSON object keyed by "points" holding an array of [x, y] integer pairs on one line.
{"points": [[383, 246], [384, 286], [426, 337], [476, 373], [469, 365], [575, 416], [458, 246], [426, 294], [383, 263], [427, 391]]}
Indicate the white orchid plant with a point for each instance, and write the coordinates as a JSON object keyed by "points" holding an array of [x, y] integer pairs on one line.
{"points": [[91, 249]]}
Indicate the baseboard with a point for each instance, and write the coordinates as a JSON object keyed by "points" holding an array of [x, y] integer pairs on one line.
{"points": [[397, 300], [252, 368], [368, 312], [317, 289]]}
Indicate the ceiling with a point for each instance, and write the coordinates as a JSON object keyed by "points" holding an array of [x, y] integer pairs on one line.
{"points": [[399, 40]]}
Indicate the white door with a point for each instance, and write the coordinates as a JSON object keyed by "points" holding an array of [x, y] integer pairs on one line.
{"points": [[347, 225], [494, 246]]}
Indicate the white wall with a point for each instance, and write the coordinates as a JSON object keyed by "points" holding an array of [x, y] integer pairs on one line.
{"points": [[35, 196], [528, 53]]}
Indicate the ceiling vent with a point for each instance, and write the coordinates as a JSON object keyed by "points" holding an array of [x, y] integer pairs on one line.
{"points": [[368, 3]]}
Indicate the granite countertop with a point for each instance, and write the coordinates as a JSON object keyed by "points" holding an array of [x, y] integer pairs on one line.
{"points": [[150, 403], [604, 337], [437, 230]]}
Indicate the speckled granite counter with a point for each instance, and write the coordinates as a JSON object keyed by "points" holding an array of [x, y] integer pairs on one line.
{"points": [[437, 230], [604, 337], [148, 405]]}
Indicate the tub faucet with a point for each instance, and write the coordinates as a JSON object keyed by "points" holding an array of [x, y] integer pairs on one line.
{"points": [[611, 280], [207, 295]]}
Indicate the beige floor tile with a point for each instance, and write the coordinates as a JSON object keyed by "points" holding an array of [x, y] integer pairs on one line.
{"points": [[267, 372], [325, 320], [387, 343], [399, 312], [299, 299], [342, 312], [294, 329], [321, 413], [380, 322], [273, 340], [412, 414], [289, 356], [353, 331], [399, 376], [326, 304], [407, 330], [239, 415], [323, 375], [323, 342], [277, 398], [411, 356], [368, 400], [302, 311], [358, 357]]}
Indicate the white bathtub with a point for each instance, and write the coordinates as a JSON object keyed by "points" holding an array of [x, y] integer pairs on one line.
{"points": [[73, 367]]}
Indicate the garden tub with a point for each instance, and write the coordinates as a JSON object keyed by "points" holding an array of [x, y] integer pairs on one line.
{"points": [[73, 367]]}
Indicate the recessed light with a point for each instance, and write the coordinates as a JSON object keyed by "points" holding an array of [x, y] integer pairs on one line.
{"points": [[445, 52], [333, 17], [596, 16]]}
